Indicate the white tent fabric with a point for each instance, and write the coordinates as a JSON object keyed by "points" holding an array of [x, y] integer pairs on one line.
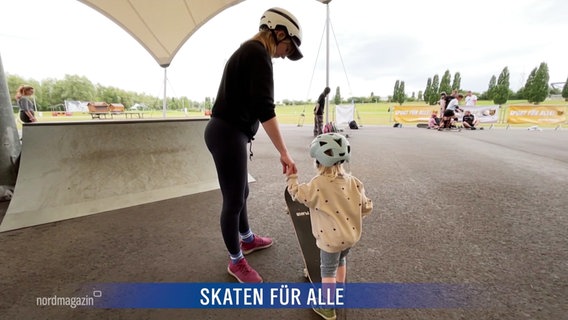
{"points": [[76, 106], [162, 27], [344, 113]]}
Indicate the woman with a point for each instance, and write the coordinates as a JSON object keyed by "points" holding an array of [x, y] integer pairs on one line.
{"points": [[318, 112], [245, 99], [23, 98]]}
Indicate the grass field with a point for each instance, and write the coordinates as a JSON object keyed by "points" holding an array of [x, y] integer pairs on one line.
{"points": [[366, 114]]}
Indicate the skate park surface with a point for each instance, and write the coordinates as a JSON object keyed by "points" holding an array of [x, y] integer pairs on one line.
{"points": [[475, 207]]}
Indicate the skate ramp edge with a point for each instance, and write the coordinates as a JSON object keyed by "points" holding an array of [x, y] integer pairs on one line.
{"points": [[74, 169]]}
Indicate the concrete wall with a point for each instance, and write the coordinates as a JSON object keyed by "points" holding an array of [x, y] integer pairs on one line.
{"points": [[75, 169]]}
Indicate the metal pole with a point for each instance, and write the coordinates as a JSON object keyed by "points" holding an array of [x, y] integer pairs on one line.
{"points": [[164, 103], [327, 63]]}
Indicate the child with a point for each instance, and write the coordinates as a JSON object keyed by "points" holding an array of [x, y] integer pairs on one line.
{"points": [[337, 205], [434, 121]]}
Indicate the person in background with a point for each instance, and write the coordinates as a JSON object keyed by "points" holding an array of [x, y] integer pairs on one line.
{"points": [[470, 99], [434, 121], [26, 104], [337, 203], [450, 116], [244, 101], [469, 120], [318, 112], [442, 102]]}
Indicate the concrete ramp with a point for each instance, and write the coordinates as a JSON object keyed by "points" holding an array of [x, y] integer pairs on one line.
{"points": [[74, 169]]}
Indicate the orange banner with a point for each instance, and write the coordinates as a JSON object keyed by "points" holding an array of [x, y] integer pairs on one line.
{"points": [[521, 114], [414, 113]]}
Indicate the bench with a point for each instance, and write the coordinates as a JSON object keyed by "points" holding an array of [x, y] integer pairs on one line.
{"points": [[111, 115], [103, 110], [100, 115], [132, 114]]}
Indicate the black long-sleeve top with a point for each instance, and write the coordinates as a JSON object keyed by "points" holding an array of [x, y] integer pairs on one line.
{"points": [[246, 92]]}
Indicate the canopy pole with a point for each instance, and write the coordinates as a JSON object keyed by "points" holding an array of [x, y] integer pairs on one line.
{"points": [[164, 102], [11, 146], [327, 62]]}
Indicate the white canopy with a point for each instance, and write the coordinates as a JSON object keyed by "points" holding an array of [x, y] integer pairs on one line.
{"points": [[161, 27]]}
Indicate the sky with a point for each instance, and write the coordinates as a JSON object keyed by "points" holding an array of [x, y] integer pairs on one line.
{"points": [[372, 44]]}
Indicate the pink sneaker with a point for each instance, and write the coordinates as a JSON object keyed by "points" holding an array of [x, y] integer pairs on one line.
{"points": [[257, 244], [243, 272]]}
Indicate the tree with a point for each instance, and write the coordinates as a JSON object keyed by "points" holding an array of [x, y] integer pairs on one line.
{"points": [[14, 82], [528, 85], [419, 95], [399, 95], [52, 92], [337, 98], [49, 96], [395, 91], [457, 81], [565, 90], [539, 87], [412, 97], [492, 84], [428, 90], [435, 93], [112, 95], [74, 87], [501, 90], [445, 83]]}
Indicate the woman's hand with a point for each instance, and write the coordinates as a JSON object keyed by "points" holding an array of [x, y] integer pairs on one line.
{"points": [[271, 128], [288, 165]]}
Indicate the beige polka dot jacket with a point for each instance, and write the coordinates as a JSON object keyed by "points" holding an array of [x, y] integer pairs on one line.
{"points": [[337, 207]]}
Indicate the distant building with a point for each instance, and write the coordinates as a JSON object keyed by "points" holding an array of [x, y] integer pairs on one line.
{"points": [[76, 106], [98, 107], [139, 106], [116, 107]]}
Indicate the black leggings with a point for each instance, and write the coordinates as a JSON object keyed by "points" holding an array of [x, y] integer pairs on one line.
{"points": [[24, 117], [228, 146]]}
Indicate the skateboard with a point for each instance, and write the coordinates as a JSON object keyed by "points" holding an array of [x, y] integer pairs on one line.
{"points": [[425, 126], [454, 129], [300, 215]]}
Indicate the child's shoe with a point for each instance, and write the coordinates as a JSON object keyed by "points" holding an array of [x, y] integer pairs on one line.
{"points": [[243, 272], [327, 314], [257, 243]]}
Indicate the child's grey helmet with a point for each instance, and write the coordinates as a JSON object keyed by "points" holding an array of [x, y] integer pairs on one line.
{"points": [[330, 149], [278, 17]]}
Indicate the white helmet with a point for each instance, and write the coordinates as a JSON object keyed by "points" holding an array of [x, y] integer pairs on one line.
{"points": [[278, 17], [330, 149]]}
